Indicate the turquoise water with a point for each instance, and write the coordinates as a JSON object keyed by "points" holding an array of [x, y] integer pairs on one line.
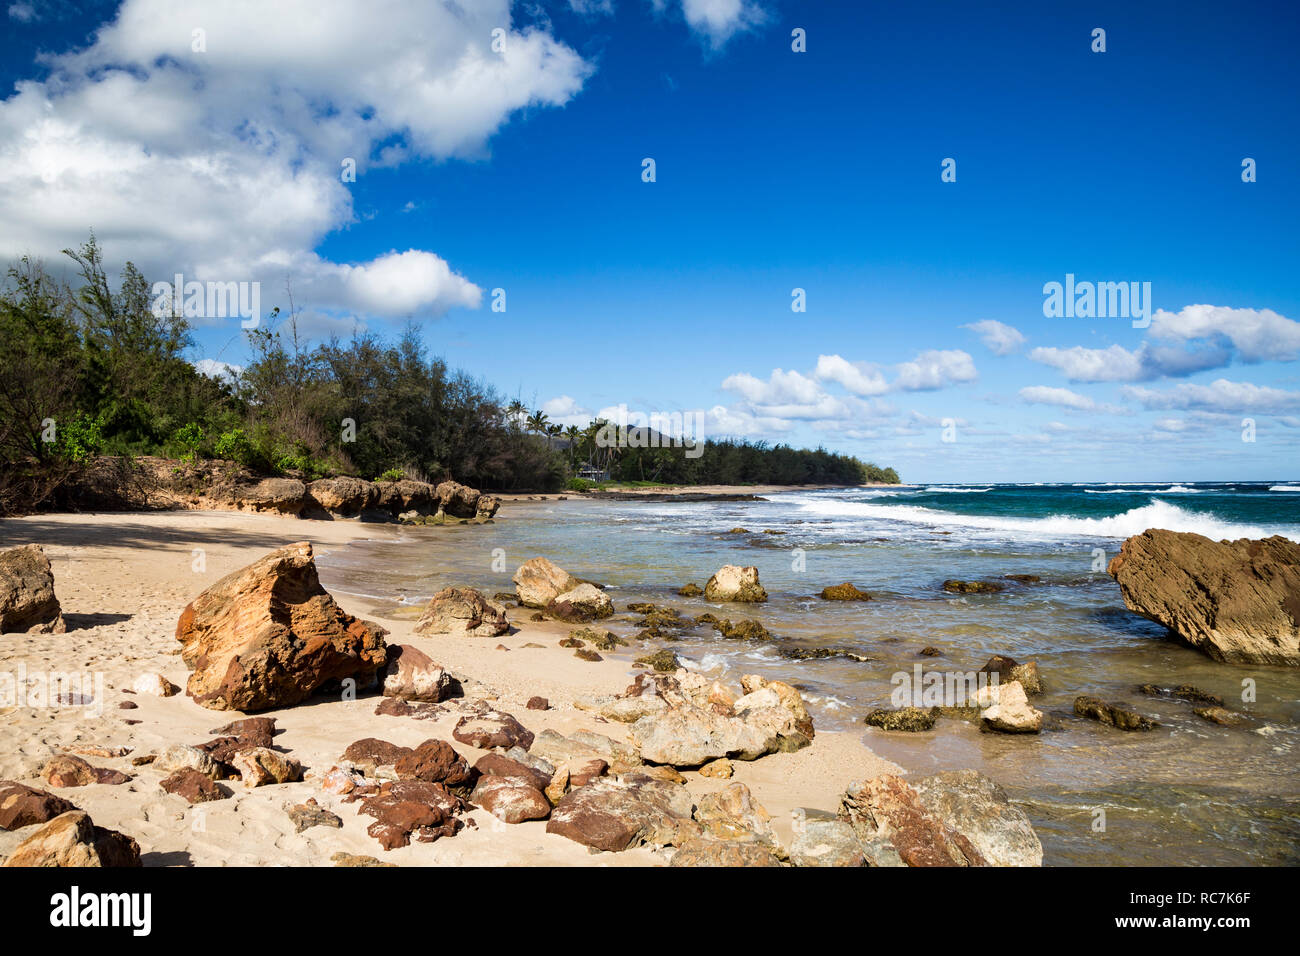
{"points": [[1187, 793]]}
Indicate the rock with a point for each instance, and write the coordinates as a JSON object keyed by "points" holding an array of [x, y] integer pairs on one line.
{"points": [[1237, 601], [27, 601], [823, 842], [22, 806], [999, 664], [743, 630], [457, 500], [1011, 714], [844, 592], [462, 611], [511, 799], [561, 751], [374, 757], [155, 685], [97, 751], [929, 651], [1027, 676], [286, 496], [702, 851], [972, 587], [407, 808], [242, 735], [193, 786], [434, 761], [581, 604], [975, 806], [181, 757], [1222, 716], [72, 839], [488, 505], [411, 674], [259, 729], [733, 814], [404, 496], [308, 815], [538, 703], [499, 765], [618, 814], [1097, 709], [260, 766], [558, 786], [538, 582], [341, 781], [128, 705], [351, 859], [733, 583], [584, 772], [599, 638], [344, 495], [1023, 578], [66, 770], [269, 636], [909, 719], [583, 654], [721, 769], [493, 729], [663, 660], [886, 808], [1183, 692], [690, 590]]}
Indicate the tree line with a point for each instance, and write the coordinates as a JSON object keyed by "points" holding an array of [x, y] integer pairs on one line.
{"points": [[87, 371]]}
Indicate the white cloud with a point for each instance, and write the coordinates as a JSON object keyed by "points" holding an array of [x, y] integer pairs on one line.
{"points": [[1047, 395], [934, 369], [1220, 395], [717, 21], [225, 164], [781, 388], [998, 337], [860, 378], [217, 369], [564, 410], [1118, 364], [22, 12], [1258, 335]]}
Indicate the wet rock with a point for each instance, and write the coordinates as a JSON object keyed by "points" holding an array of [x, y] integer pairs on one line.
{"points": [[27, 600], [1094, 708], [538, 582], [581, 604], [407, 808], [261, 766], [909, 719], [690, 590], [734, 583], [1027, 676], [1011, 714], [744, 630], [1023, 578], [663, 660], [1183, 692], [493, 729], [193, 786], [511, 799], [930, 652], [462, 611], [269, 636], [1222, 716], [975, 806], [844, 592], [434, 761], [1238, 601], [999, 664], [413, 675], [972, 587], [618, 814], [309, 814], [887, 808], [72, 839], [65, 770], [23, 806]]}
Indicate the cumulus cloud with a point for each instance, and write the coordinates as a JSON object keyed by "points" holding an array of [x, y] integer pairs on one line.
{"points": [[935, 369], [1257, 335], [217, 369], [564, 410], [1047, 395], [716, 21], [860, 378], [1220, 395], [22, 12], [998, 337], [1118, 364], [225, 164]]}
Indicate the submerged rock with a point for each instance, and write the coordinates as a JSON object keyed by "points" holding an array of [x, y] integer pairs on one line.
{"points": [[972, 587], [1094, 708], [690, 590], [844, 592], [910, 719], [1238, 601], [1182, 692]]}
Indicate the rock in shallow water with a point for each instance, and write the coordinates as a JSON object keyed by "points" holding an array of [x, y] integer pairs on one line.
{"points": [[734, 583], [1094, 708]]}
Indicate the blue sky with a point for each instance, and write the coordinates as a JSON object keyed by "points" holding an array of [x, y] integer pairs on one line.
{"points": [[521, 169]]}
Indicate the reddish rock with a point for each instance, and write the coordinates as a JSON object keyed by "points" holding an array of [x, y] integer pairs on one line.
{"points": [[434, 761], [492, 729], [499, 765], [370, 753], [269, 635], [72, 839], [128, 705], [193, 786], [66, 770], [615, 815], [887, 808], [510, 799], [538, 703], [396, 707], [412, 675], [21, 805], [412, 807]]}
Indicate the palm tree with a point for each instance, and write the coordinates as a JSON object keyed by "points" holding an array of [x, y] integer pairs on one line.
{"points": [[537, 422], [573, 433], [515, 412]]}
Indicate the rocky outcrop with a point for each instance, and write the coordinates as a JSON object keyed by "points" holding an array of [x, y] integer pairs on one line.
{"points": [[412, 674], [462, 611], [23, 806], [540, 581], [888, 810], [733, 583], [72, 839], [614, 814], [27, 601], [344, 496], [286, 496], [457, 500], [1238, 601], [975, 806], [269, 635]]}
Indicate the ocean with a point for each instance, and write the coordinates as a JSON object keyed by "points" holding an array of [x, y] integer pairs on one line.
{"points": [[1188, 792]]}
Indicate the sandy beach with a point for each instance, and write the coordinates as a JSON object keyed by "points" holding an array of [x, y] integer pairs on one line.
{"points": [[123, 580]]}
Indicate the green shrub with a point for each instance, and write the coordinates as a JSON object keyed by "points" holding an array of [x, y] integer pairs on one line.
{"points": [[234, 445], [579, 484], [392, 474], [189, 437], [81, 439]]}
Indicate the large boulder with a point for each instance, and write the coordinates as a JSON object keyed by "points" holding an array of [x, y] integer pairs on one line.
{"points": [[462, 611], [27, 601], [1238, 601], [22, 806], [457, 500], [72, 839], [887, 810], [581, 604], [733, 583], [269, 635], [540, 581], [343, 496], [975, 806], [614, 814], [396, 497], [286, 496], [487, 506], [412, 674]]}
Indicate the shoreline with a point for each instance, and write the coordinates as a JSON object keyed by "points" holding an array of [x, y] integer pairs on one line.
{"points": [[123, 580]]}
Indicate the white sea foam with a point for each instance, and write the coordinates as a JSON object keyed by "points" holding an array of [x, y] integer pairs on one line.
{"points": [[1158, 514], [959, 491], [1285, 488]]}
